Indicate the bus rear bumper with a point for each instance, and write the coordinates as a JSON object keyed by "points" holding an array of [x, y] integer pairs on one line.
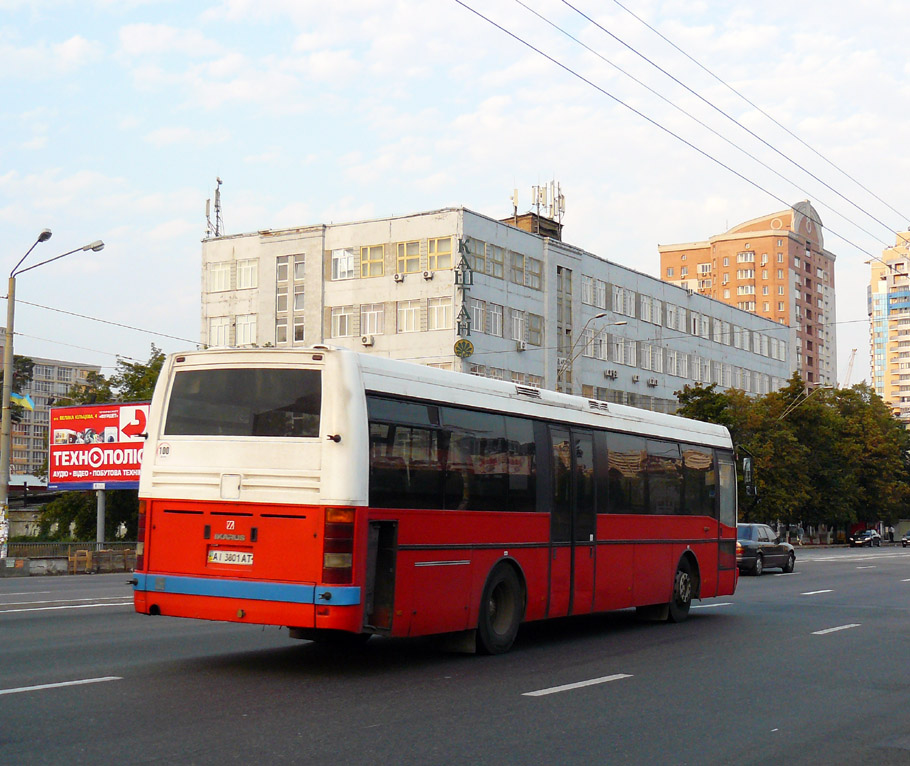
{"points": [[304, 605]]}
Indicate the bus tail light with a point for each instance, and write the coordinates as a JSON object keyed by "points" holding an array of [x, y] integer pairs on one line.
{"points": [[140, 537], [338, 546]]}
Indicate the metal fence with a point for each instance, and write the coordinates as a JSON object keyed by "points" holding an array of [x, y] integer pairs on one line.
{"points": [[39, 550]]}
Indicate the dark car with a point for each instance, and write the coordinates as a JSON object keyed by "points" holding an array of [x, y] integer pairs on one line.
{"points": [[867, 537], [905, 539], [758, 547]]}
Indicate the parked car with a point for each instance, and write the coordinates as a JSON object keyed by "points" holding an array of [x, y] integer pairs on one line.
{"points": [[758, 547], [905, 539], [867, 537]]}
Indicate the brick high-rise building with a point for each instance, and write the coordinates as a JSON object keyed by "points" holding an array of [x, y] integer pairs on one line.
{"points": [[775, 266], [889, 314]]}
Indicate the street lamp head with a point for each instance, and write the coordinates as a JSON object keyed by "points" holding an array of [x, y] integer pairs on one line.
{"points": [[616, 324], [45, 235], [94, 246]]}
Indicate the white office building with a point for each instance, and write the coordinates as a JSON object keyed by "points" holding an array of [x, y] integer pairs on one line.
{"points": [[455, 289]]}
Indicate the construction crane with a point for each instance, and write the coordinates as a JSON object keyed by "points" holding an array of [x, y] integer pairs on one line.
{"points": [[849, 372]]}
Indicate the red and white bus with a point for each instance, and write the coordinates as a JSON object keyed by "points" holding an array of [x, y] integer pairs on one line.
{"points": [[344, 494]]}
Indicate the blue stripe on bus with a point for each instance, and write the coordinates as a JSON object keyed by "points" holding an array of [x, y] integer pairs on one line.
{"points": [[255, 590]]}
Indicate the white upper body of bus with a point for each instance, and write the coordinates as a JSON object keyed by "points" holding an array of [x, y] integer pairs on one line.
{"points": [[290, 426]]}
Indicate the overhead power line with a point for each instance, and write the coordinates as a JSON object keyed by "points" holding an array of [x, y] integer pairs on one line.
{"points": [[762, 111], [730, 118], [653, 122], [703, 124]]}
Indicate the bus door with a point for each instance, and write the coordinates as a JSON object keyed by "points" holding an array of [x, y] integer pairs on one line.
{"points": [[572, 522]]}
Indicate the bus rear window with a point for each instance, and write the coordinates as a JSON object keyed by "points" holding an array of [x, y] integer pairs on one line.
{"points": [[245, 402]]}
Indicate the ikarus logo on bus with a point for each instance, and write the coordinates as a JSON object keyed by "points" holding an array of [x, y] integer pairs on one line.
{"points": [[223, 556]]}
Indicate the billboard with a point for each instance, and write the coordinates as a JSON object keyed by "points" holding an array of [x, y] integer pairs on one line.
{"points": [[96, 446]]}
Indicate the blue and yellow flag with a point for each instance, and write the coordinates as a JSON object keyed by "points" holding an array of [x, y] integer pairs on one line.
{"points": [[23, 400]]}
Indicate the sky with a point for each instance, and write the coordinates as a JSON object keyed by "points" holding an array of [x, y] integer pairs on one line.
{"points": [[118, 115]]}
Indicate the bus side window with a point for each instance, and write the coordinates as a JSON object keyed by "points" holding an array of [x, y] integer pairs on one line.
{"points": [[698, 478], [664, 477], [628, 476], [726, 472]]}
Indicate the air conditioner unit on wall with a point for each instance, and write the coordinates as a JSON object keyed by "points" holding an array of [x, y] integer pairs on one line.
{"points": [[652, 382], [521, 345], [367, 340], [399, 277], [428, 275], [635, 378], [612, 374]]}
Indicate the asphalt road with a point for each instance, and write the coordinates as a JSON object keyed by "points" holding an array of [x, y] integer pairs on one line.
{"points": [[801, 668]]}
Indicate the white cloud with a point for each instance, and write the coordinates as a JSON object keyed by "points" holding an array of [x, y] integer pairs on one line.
{"points": [[186, 136], [152, 39]]}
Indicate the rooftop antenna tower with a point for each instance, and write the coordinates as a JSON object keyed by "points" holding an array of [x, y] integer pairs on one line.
{"points": [[217, 229]]}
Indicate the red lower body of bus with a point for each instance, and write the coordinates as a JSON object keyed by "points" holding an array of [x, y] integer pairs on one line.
{"points": [[412, 572]]}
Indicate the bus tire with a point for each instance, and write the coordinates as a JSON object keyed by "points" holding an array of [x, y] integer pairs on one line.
{"points": [[502, 607], [683, 590]]}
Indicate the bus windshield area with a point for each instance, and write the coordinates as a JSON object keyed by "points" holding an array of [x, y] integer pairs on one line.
{"points": [[245, 402]]}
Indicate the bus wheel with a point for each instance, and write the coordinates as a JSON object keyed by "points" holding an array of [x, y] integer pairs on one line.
{"points": [[501, 611], [683, 587]]}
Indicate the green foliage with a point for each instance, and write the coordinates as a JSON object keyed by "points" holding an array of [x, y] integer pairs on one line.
{"points": [[23, 368], [832, 456], [131, 382], [79, 510]]}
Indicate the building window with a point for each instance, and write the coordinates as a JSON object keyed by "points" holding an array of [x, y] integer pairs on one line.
{"points": [[342, 321], [684, 271], [298, 329], [518, 325], [495, 261], [219, 331], [281, 268], [478, 309], [342, 264], [219, 277], [587, 290], [494, 319], [299, 266], [408, 257], [371, 261], [409, 316], [518, 269], [534, 273], [298, 297], [748, 257], [535, 329], [245, 327], [247, 273], [281, 330], [600, 293], [669, 271], [439, 313], [439, 253], [477, 255], [281, 298], [371, 318]]}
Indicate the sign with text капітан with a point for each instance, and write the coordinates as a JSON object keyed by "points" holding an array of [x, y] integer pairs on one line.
{"points": [[96, 446]]}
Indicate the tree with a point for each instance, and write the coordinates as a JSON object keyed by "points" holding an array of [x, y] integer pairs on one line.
{"points": [[832, 457], [131, 382], [23, 368]]}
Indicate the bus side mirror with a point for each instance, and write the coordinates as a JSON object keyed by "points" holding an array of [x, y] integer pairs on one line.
{"points": [[748, 478]]}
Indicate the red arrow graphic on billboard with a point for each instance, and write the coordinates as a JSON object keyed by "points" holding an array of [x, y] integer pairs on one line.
{"points": [[135, 427]]}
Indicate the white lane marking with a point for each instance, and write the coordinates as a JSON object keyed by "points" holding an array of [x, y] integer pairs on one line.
{"points": [[29, 593], [52, 608], [784, 574], [871, 566], [62, 683], [815, 592], [60, 601], [711, 606], [579, 685], [834, 630], [905, 580]]}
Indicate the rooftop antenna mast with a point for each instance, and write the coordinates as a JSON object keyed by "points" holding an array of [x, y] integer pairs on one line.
{"points": [[217, 229]]}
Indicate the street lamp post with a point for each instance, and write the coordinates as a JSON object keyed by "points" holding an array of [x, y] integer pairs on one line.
{"points": [[6, 424], [573, 354]]}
